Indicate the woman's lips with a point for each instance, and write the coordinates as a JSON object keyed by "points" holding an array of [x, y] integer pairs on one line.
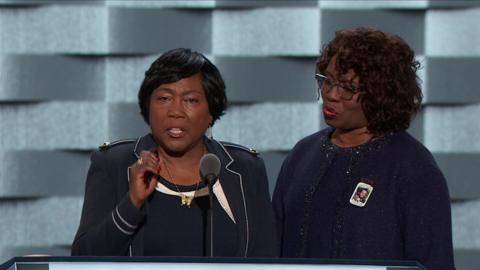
{"points": [[329, 112]]}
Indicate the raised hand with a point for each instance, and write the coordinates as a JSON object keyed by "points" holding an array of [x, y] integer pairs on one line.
{"points": [[143, 177]]}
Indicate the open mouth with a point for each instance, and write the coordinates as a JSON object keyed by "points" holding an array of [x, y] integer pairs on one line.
{"points": [[175, 132]]}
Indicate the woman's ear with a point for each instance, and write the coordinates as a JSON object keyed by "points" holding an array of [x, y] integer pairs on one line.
{"points": [[210, 120]]}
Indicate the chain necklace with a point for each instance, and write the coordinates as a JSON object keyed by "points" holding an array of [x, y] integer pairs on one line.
{"points": [[186, 200]]}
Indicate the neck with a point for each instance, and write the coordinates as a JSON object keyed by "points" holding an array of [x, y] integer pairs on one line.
{"points": [[351, 138], [182, 169], [190, 157]]}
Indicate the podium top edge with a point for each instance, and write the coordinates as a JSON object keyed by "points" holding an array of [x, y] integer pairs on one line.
{"points": [[233, 260]]}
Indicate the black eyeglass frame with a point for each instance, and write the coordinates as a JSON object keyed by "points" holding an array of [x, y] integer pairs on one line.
{"points": [[346, 92]]}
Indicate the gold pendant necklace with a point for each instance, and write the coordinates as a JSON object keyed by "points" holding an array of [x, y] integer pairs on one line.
{"points": [[185, 199]]}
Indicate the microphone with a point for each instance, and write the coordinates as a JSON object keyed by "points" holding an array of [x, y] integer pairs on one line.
{"points": [[209, 167], [209, 171]]}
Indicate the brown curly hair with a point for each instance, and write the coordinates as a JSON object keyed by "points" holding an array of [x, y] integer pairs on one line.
{"points": [[390, 92]]}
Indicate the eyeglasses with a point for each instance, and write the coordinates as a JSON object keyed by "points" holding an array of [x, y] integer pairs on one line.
{"points": [[346, 92]]}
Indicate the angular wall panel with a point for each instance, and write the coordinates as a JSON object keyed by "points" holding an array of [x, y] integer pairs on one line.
{"points": [[465, 220], [273, 162], [467, 259], [9, 251], [452, 129], [47, 77], [55, 125], [267, 31], [466, 234], [397, 4], [268, 126], [407, 24], [452, 32], [263, 3], [143, 30], [163, 3], [260, 79], [453, 4], [461, 172], [42, 173], [453, 80], [124, 75], [125, 122], [46, 221], [78, 29], [373, 4]]}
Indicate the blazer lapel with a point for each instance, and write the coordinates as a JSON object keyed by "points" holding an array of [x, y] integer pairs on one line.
{"points": [[146, 143], [232, 184]]}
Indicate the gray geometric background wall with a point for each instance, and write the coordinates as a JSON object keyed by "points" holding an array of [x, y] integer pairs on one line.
{"points": [[70, 71]]}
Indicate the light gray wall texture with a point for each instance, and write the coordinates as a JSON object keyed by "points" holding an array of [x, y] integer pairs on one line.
{"points": [[70, 71]]}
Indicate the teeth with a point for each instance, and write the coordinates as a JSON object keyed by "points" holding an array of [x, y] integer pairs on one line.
{"points": [[175, 130]]}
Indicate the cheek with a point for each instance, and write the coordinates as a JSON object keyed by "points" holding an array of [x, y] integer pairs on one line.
{"points": [[359, 116], [201, 116], [354, 111], [154, 113], [156, 116]]}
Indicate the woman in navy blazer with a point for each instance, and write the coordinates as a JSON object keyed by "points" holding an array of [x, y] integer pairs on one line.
{"points": [[146, 197]]}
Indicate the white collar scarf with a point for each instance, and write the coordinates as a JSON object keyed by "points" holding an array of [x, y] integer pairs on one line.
{"points": [[217, 191]]}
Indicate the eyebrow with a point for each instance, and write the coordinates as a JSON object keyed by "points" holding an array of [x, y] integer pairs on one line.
{"points": [[170, 90], [348, 83]]}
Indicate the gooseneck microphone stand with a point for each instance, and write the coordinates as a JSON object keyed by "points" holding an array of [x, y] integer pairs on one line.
{"points": [[209, 171], [210, 180]]}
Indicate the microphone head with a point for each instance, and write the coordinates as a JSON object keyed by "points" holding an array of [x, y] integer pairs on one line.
{"points": [[209, 167]]}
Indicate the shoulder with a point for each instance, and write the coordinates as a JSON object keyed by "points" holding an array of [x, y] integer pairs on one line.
{"points": [[307, 149], [312, 142], [233, 147], [235, 153], [116, 144], [405, 145], [240, 154], [413, 157], [115, 151]]}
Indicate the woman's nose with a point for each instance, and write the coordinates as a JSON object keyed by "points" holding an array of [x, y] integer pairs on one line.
{"points": [[176, 108]]}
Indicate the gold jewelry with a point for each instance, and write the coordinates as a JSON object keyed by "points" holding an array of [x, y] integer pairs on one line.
{"points": [[185, 199], [140, 161]]}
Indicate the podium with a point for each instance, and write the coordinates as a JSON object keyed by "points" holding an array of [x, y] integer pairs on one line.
{"points": [[199, 263]]}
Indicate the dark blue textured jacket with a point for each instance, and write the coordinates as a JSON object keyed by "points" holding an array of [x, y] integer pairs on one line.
{"points": [[111, 225], [407, 216]]}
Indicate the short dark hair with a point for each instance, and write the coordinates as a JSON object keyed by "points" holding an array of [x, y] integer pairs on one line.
{"points": [[390, 91], [178, 64]]}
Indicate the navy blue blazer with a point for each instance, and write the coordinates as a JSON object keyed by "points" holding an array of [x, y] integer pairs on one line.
{"points": [[110, 224]]}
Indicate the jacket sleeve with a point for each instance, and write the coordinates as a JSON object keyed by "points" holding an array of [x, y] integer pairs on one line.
{"points": [[427, 219], [264, 241], [107, 225]]}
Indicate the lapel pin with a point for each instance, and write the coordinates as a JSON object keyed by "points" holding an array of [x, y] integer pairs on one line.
{"points": [[360, 194]]}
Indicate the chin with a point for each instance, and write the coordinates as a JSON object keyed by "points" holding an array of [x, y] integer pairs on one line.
{"points": [[331, 122], [175, 150]]}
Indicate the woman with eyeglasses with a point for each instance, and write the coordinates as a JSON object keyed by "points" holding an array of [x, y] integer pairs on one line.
{"points": [[370, 91]]}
